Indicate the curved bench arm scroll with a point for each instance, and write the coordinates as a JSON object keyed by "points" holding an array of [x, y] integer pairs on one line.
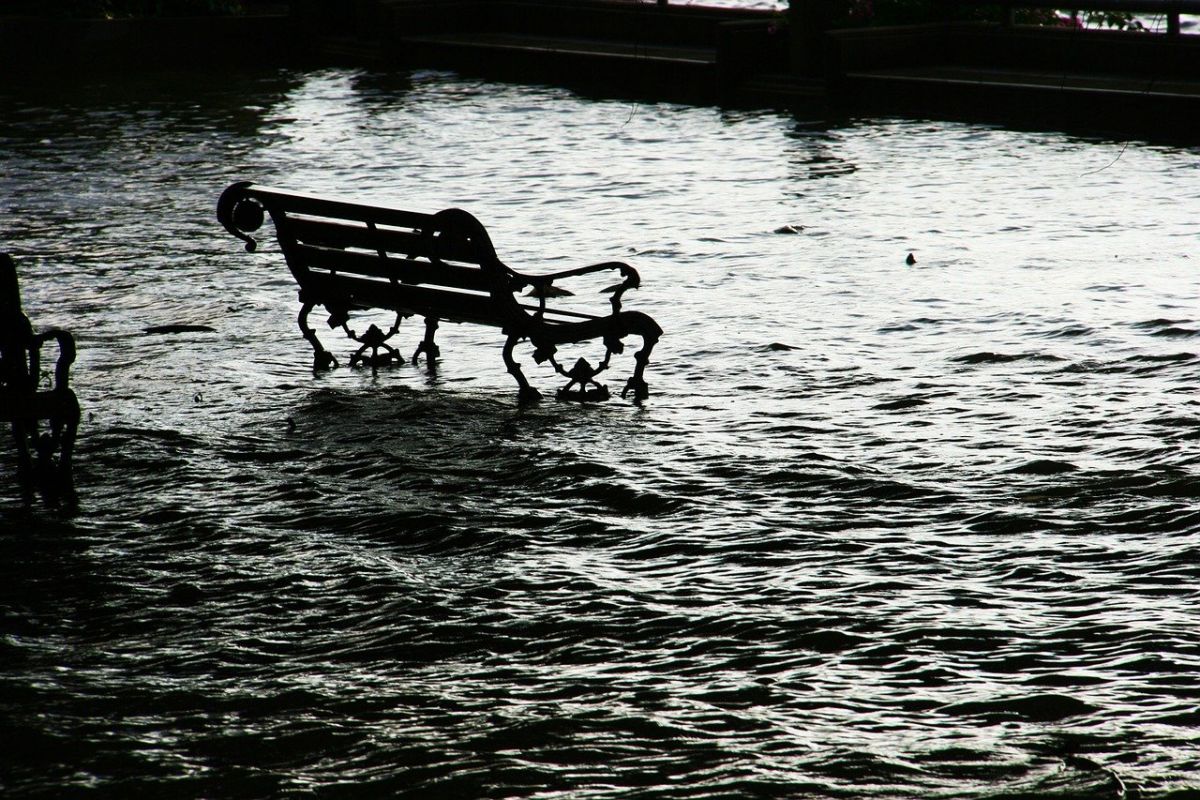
{"points": [[66, 355], [240, 213]]}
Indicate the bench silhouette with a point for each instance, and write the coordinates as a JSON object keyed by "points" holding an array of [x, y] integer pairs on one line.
{"points": [[349, 256], [26, 402]]}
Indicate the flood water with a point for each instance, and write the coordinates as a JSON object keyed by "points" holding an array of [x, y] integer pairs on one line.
{"points": [[881, 530]]}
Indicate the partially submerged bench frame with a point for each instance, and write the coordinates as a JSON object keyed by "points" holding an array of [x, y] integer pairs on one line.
{"points": [[349, 256], [25, 403]]}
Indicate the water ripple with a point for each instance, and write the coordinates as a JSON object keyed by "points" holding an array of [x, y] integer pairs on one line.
{"points": [[882, 529]]}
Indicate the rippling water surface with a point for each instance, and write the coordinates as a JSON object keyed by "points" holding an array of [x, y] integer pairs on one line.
{"points": [[881, 530]]}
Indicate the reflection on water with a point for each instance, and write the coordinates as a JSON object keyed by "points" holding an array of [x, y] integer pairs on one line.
{"points": [[882, 529]]}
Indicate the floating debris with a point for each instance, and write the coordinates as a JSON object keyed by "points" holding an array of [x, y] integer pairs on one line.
{"points": [[184, 594], [170, 329], [1044, 466]]}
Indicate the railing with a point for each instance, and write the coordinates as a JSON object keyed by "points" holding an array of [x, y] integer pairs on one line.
{"points": [[1170, 9]]}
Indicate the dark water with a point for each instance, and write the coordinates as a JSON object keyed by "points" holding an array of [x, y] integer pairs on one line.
{"points": [[881, 531]]}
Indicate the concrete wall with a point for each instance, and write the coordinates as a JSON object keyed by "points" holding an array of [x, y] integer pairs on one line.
{"points": [[595, 19], [47, 44], [982, 44]]}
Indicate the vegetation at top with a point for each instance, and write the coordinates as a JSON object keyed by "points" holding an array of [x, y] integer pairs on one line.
{"points": [[852, 13]]}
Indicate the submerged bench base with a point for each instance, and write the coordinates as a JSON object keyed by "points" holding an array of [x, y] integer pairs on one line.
{"points": [[581, 387]]}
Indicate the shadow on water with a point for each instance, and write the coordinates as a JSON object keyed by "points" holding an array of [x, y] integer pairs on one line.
{"points": [[411, 470], [102, 106], [381, 91], [815, 156]]}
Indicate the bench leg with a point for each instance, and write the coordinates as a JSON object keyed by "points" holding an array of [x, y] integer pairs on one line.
{"points": [[46, 470], [20, 434], [67, 428], [525, 392], [427, 345], [44, 455], [322, 358], [637, 383]]}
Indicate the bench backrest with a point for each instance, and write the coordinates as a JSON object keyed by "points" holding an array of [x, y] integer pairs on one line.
{"points": [[348, 255], [20, 347], [16, 332]]}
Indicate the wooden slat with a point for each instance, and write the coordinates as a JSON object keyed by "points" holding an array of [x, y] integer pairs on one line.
{"points": [[328, 233], [297, 203], [424, 301], [421, 300], [339, 233], [404, 270]]}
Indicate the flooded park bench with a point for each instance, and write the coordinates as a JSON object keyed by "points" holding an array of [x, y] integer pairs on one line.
{"points": [[349, 257], [25, 403]]}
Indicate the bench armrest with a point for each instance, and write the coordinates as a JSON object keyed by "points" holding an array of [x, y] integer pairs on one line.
{"points": [[66, 355], [543, 282]]}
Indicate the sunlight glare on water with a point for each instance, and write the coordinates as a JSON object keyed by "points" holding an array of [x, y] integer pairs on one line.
{"points": [[881, 529]]}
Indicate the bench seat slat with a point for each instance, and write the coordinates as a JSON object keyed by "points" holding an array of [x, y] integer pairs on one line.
{"points": [[402, 269], [423, 301], [366, 293]]}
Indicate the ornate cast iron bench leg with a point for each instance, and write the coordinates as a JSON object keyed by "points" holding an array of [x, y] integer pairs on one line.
{"points": [[70, 427], [427, 345], [650, 333], [636, 383], [323, 360], [25, 472], [525, 392], [53, 472]]}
